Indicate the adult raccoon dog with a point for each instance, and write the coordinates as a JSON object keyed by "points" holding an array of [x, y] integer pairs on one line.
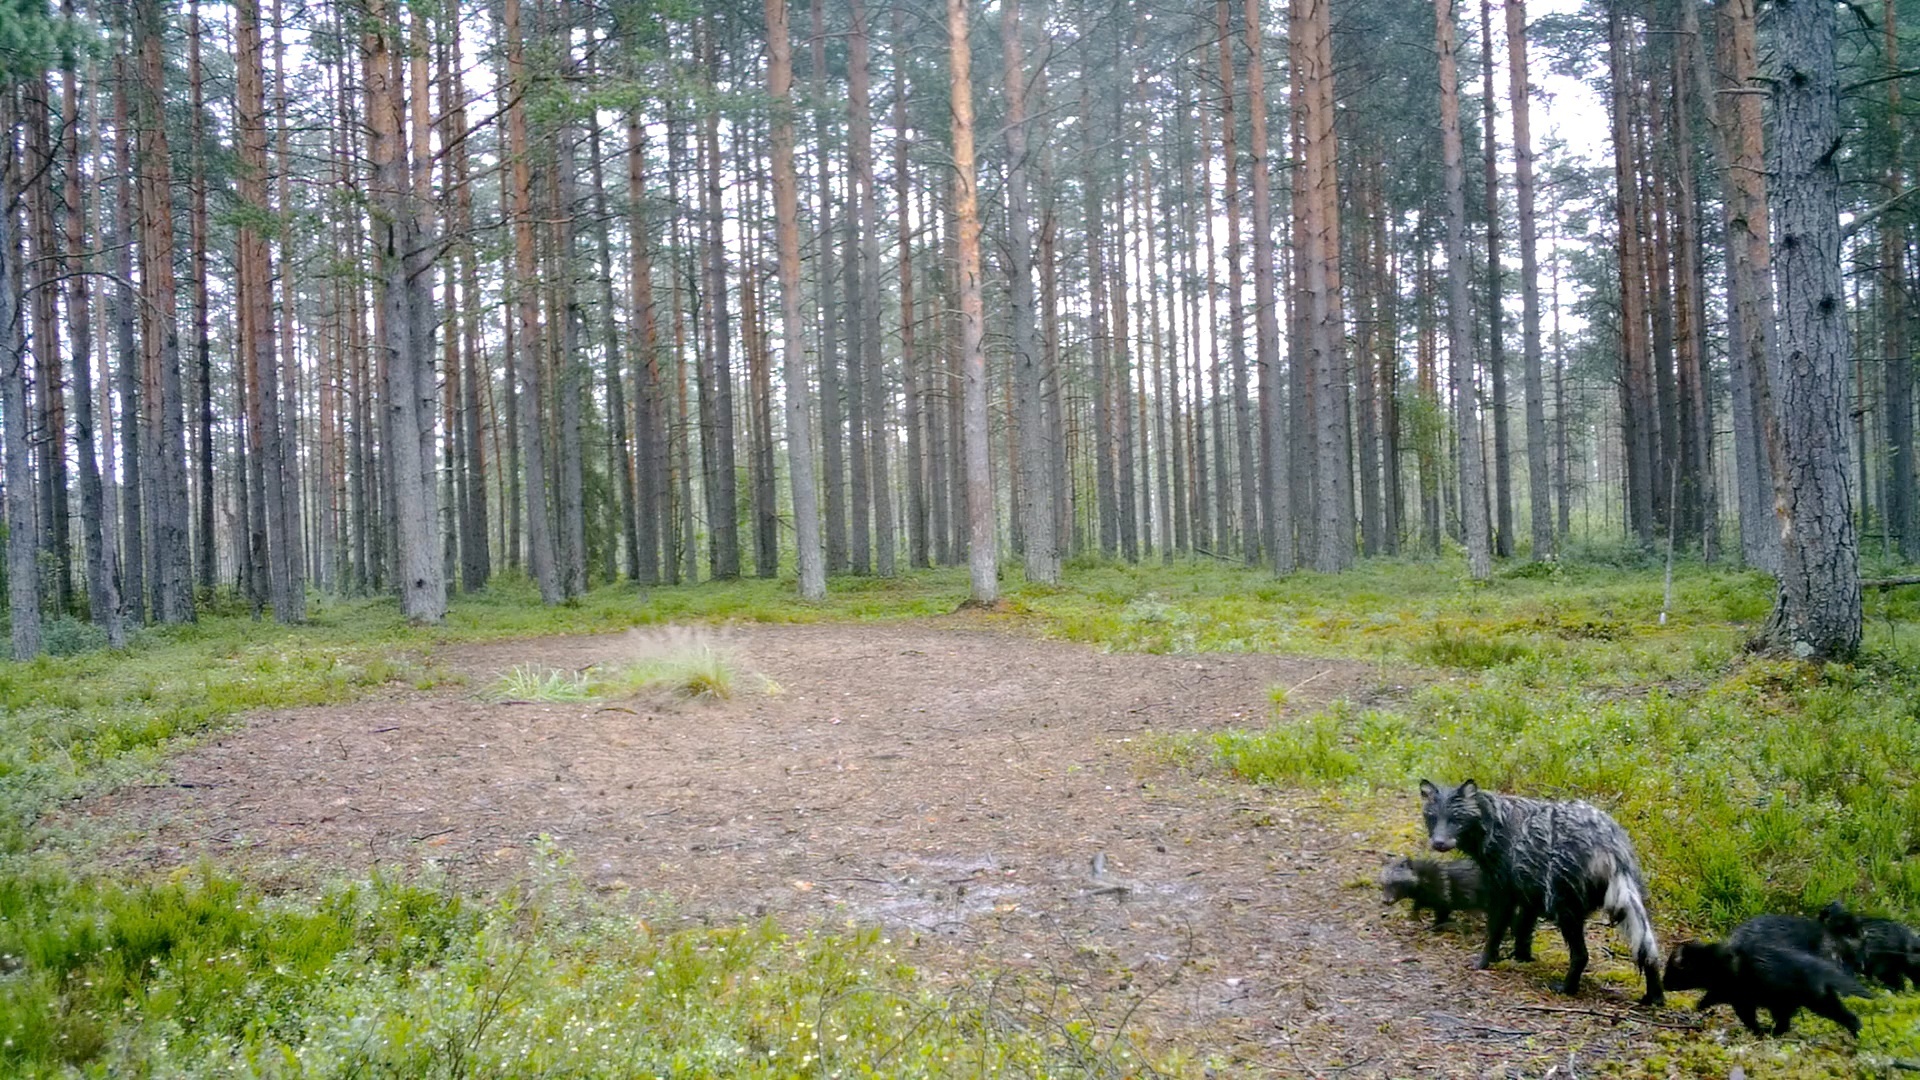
{"points": [[1563, 860], [1770, 974], [1441, 886], [1887, 951]]}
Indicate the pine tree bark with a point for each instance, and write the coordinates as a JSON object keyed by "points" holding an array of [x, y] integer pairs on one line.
{"points": [[765, 496], [1332, 447], [103, 593], [1698, 490], [524, 363], [569, 366], [127, 357], [654, 525], [292, 508], [1106, 481], [258, 342], [826, 281], [917, 508], [1276, 504], [23, 576], [786, 213], [1496, 315], [1817, 611], [1639, 405], [204, 551], [476, 556], [716, 375], [872, 385], [1539, 484], [410, 387], [1243, 419], [1368, 283], [983, 554], [166, 431], [1750, 278], [1041, 552], [1459, 314], [48, 400], [1896, 309]]}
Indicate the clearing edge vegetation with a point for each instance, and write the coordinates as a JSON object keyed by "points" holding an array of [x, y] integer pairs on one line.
{"points": [[1747, 786]]}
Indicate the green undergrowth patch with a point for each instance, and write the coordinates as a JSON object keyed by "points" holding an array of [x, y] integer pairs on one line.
{"points": [[1749, 785], [695, 670], [1599, 623], [202, 976]]}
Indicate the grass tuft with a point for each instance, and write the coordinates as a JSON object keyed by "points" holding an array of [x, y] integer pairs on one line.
{"points": [[527, 682], [692, 669]]}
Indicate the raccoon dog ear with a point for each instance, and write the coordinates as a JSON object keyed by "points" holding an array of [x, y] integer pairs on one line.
{"points": [[1428, 791], [1468, 789]]}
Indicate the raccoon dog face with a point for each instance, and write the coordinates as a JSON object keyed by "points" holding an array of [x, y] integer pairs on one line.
{"points": [[1453, 815]]}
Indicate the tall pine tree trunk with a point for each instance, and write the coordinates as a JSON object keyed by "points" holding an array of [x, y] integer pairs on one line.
{"points": [[127, 357], [1333, 468], [716, 382], [983, 555], [1473, 478], [1041, 552], [166, 431], [103, 594], [1243, 418], [1276, 504], [524, 360], [1496, 315], [202, 334], [786, 212], [1639, 404], [654, 525], [1750, 279], [23, 576], [1817, 612], [1539, 485], [1896, 309]]}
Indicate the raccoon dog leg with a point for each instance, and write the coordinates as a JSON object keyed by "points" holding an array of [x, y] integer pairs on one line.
{"points": [[1523, 934], [1499, 914], [1832, 1008], [1574, 929]]}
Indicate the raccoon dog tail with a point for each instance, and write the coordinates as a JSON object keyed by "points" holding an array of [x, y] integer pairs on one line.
{"points": [[1627, 908]]}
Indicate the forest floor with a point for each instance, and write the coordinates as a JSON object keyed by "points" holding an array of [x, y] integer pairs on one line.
{"points": [[992, 800]]}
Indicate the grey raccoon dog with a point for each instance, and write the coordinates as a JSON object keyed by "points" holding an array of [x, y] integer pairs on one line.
{"points": [[1762, 974], [1561, 860], [1442, 887], [1888, 952]]}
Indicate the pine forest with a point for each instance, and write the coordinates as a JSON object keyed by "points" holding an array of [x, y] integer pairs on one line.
{"points": [[1343, 398]]}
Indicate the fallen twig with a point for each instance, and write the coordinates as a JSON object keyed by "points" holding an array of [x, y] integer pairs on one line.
{"points": [[1605, 1015]]}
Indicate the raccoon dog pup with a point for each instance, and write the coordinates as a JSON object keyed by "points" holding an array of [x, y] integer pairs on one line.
{"points": [[1838, 943], [1889, 952], [1442, 887], [1770, 975], [1563, 860]]}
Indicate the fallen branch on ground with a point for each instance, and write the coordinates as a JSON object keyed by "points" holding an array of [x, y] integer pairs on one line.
{"points": [[1616, 1017]]}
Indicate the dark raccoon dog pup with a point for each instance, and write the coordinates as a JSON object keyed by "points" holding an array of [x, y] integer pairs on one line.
{"points": [[1837, 942], [1442, 887], [1888, 951], [1757, 975]]}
